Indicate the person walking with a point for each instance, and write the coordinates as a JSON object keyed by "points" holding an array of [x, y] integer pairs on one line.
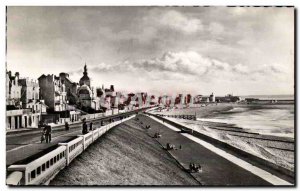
{"points": [[91, 126], [48, 130], [67, 126], [84, 127], [42, 137]]}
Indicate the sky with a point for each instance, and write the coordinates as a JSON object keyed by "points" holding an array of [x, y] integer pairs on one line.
{"points": [[161, 50]]}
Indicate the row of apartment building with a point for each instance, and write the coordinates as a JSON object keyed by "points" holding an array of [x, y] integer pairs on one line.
{"points": [[57, 99]]}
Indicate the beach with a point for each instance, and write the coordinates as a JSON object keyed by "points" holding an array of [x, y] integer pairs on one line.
{"points": [[270, 139], [124, 156]]}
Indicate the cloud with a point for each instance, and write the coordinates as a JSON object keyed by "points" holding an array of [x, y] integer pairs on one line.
{"points": [[183, 65], [187, 66], [173, 20], [211, 45], [179, 21], [215, 28]]}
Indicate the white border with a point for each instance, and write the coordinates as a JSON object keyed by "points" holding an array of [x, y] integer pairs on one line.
{"points": [[3, 3]]}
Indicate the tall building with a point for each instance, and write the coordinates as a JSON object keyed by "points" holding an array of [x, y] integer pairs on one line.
{"points": [[30, 97], [85, 80], [53, 91], [85, 93], [71, 88], [13, 89], [23, 107], [14, 111]]}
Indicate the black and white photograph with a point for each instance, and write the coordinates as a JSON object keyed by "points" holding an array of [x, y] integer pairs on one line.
{"points": [[181, 96]]}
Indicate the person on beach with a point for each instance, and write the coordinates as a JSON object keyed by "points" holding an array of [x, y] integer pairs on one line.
{"points": [[67, 126], [91, 126], [84, 127], [48, 131]]}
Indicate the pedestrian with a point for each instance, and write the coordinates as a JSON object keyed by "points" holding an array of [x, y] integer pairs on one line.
{"points": [[67, 126], [191, 167], [48, 130], [43, 136], [91, 126], [84, 127]]}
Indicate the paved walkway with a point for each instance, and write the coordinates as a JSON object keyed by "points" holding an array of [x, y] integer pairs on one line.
{"points": [[217, 170], [20, 148], [24, 145]]}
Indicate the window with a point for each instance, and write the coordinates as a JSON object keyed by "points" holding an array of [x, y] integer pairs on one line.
{"points": [[32, 174], [51, 162], [38, 170], [54, 159], [44, 167], [47, 164]]}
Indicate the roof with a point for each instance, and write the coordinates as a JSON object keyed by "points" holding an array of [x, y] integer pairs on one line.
{"points": [[84, 78]]}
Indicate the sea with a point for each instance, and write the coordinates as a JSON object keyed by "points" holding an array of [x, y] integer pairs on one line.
{"points": [[275, 119]]}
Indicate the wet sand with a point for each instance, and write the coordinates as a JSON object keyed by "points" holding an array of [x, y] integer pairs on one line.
{"points": [[201, 112], [124, 156], [278, 150]]}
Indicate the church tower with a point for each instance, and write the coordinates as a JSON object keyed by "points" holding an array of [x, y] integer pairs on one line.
{"points": [[85, 79]]}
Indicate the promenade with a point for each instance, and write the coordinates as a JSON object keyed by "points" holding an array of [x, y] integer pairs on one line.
{"points": [[217, 170], [25, 146]]}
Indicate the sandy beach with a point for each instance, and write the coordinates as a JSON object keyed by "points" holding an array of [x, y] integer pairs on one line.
{"points": [[124, 156], [278, 150], [201, 112]]}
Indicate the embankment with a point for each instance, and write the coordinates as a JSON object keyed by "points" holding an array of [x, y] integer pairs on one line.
{"points": [[124, 156]]}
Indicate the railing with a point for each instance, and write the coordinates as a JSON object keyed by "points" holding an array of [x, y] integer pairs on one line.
{"points": [[44, 169], [87, 139], [190, 117], [95, 134], [74, 148]]}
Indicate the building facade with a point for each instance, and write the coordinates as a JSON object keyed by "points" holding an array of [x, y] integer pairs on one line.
{"points": [[23, 107], [71, 88], [54, 94]]}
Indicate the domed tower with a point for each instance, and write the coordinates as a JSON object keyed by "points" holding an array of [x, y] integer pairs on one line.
{"points": [[85, 79]]}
